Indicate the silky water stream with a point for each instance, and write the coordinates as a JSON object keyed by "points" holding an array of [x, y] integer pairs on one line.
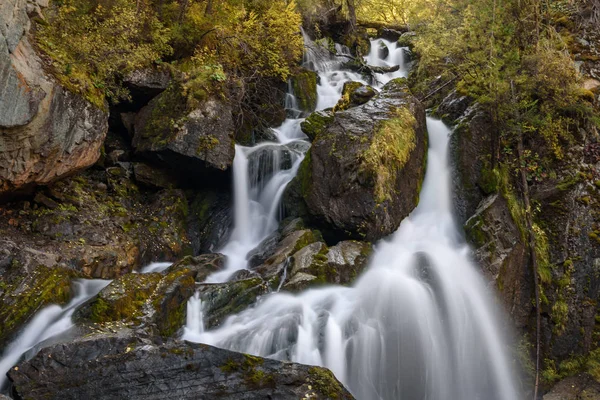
{"points": [[419, 324]]}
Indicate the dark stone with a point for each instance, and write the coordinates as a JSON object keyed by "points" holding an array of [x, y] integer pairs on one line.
{"points": [[382, 51], [153, 177], [469, 143], [389, 34], [453, 107], [130, 367], [210, 221], [345, 194]]}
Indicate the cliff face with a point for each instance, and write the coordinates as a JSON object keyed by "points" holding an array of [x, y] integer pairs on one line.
{"points": [[46, 132]]}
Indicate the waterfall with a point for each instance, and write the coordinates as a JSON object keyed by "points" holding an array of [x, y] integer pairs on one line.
{"points": [[48, 323], [262, 172], [420, 323]]}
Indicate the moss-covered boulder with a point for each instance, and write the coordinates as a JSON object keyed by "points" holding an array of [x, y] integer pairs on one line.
{"points": [[130, 367], [354, 94], [304, 85], [316, 122], [24, 295], [199, 139], [156, 301], [363, 173]]}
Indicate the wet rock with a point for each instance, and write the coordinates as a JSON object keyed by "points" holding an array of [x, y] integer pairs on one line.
{"points": [[220, 300], [316, 122], [304, 85], [46, 132], [199, 141], [155, 301], [469, 142], [502, 255], [453, 107], [265, 160], [316, 264], [105, 367], [407, 39], [210, 220], [354, 94], [202, 266], [382, 50], [363, 173], [289, 245]]}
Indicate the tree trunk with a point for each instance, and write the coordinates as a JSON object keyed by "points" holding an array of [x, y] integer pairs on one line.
{"points": [[351, 14], [209, 8]]}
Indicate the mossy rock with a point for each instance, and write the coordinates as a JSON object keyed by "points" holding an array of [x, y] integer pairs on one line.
{"points": [[23, 299], [124, 297], [157, 300], [354, 94], [316, 123], [224, 299], [304, 84]]}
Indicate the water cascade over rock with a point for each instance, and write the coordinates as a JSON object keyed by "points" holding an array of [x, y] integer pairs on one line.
{"points": [[419, 324]]}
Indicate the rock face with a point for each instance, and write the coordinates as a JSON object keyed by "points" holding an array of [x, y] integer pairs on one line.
{"points": [[468, 143], [200, 142], [133, 368], [500, 252], [46, 132], [363, 173]]}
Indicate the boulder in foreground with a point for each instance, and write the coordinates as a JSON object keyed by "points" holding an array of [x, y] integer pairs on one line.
{"points": [[128, 367]]}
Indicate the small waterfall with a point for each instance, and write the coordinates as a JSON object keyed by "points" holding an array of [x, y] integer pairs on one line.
{"points": [[419, 324], [49, 322], [262, 172], [194, 325]]}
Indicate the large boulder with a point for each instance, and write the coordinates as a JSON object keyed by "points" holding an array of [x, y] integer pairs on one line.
{"points": [[198, 141], [363, 173], [46, 132], [133, 368]]}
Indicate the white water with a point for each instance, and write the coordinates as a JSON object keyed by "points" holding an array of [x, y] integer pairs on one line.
{"points": [[47, 323], [419, 324], [155, 267], [261, 172]]}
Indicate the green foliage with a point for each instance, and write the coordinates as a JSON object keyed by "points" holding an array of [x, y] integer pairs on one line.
{"points": [[93, 43]]}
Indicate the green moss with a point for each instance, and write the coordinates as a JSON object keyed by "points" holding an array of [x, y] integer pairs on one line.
{"points": [[347, 101], [474, 232], [316, 123], [393, 143], [23, 299], [304, 84], [325, 383], [123, 298]]}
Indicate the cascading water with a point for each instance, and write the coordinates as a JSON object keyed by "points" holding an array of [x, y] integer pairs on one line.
{"points": [[50, 322], [419, 324], [261, 172]]}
